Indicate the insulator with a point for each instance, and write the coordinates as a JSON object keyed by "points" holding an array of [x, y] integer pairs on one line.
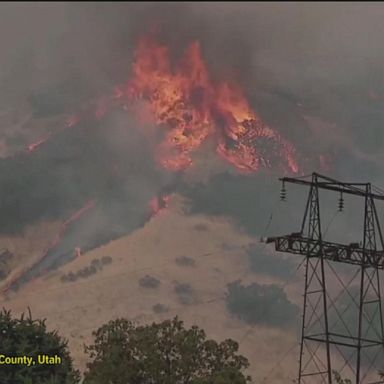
{"points": [[341, 203], [283, 193]]}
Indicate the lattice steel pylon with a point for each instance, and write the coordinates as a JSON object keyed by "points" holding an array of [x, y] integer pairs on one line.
{"points": [[340, 332]]}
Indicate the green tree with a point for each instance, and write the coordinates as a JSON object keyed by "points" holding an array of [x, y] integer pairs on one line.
{"points": [[27, 337], [161, 353], [226, 376]]}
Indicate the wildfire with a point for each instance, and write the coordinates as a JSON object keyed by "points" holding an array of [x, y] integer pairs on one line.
{"points": [[190, 107], [33, 146], [77, 252], [56, 241], [72, 121], [158, 204], [76, 216]]}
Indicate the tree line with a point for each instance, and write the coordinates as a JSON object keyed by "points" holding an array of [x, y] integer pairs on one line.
{"points": [[121, 353]]}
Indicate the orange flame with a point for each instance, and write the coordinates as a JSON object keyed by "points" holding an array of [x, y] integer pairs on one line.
{"points": [[190, 108], [72, 121], [77, 252], [33, 146], [158, 204], [74, 217]]}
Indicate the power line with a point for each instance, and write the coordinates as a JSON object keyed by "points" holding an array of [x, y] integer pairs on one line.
{"points": [[276, 206]]}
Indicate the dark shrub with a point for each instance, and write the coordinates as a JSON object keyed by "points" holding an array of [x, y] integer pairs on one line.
{"points": [[64, 278], [186, 299], [185, 261], [160, 308], [3, 274], [82, 272], [105, 260], [71, 276], [200, 227], [149, 282], [261, 304], [184, 292], [96, 263], [183, 289]]}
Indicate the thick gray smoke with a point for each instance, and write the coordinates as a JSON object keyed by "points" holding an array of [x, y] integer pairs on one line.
{"points": [[313, 71]]}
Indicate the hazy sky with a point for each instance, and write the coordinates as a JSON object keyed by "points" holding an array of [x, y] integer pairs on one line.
{"points": [[291, 40]]}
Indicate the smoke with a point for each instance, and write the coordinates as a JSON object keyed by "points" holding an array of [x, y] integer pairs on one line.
{"points": [[327, 58], [314, 72]]}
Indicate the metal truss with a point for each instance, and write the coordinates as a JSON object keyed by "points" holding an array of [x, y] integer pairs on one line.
{"points": [[342, 326]]}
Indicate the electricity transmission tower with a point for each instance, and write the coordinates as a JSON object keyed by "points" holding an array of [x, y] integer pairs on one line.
{"points": [[341, 330]]}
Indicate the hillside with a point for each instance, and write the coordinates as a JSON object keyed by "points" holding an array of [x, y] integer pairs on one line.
{"points": [[77, 308]]}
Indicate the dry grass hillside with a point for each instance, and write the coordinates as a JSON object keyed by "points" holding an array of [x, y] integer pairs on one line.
{"points": [[217, 249]]}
